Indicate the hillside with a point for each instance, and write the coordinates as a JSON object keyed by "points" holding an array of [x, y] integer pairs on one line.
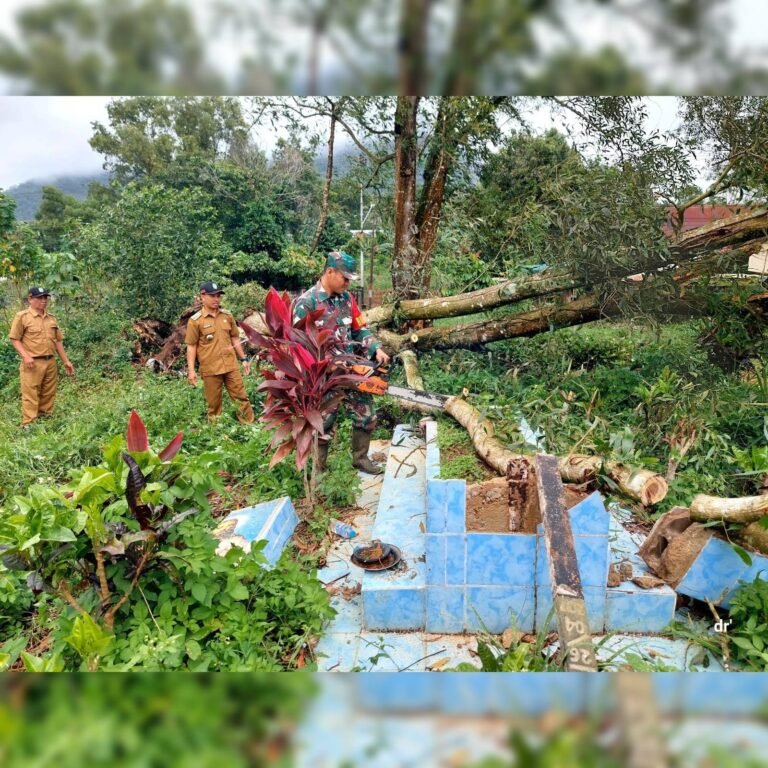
{"points": [[29, 194]]}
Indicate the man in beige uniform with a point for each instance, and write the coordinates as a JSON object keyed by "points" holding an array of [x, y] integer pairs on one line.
{"points": [[37, 338], [213, 339]]}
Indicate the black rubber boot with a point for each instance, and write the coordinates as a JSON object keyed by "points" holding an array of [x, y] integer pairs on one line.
{"points": [[361, 441]]}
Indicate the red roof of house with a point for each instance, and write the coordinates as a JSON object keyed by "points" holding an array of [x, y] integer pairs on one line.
{"points": [[699, 215]]}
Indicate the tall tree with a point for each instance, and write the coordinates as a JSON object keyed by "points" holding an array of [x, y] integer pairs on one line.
{"points": [[75, 47]]}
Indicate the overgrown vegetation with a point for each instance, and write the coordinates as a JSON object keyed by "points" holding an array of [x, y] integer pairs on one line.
{"points": [[192, 196]]}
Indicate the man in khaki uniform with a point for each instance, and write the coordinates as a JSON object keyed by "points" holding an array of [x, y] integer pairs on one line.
{"points": [[213, 339], [37, 338]]}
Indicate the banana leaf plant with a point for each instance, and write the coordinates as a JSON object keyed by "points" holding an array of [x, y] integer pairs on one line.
{"points": [[306, 378]]}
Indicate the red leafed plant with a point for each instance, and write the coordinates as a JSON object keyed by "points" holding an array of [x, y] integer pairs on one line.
{"points": [[308, 380], [137, 439]]}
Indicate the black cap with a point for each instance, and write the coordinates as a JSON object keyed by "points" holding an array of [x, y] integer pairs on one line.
{"points": [[35, 292], [211, 287]]}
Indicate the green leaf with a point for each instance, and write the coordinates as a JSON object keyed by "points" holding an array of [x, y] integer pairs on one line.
{"points": [[238, 591], [39, 664], [199, 592], [742, 553], [193, 649], [742, 642], [88, 638], [5, 661], [489, 661]]}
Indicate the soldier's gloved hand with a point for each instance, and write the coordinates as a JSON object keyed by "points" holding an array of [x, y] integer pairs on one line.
{"points": [[382, 357]]}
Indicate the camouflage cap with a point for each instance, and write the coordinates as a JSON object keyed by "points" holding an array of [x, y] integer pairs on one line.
{"points": [[343, 262]]}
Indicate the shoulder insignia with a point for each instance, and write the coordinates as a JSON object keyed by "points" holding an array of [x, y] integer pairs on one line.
{"points": [[196, 316], [226, 312]]}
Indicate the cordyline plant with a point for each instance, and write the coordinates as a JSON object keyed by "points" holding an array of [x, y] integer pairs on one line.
{"points": [[63, 537], [311, 372]]}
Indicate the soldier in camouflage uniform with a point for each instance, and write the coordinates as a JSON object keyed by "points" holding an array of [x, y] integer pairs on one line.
{"points": [[331, 293]]}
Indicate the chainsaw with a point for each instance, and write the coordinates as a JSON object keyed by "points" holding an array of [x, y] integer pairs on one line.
{"points": [[376, 383]]}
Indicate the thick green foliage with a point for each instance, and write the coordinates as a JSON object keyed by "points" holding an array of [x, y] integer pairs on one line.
{"points": [[625, 392], [162, 243], [150, 720], [191, 608]]}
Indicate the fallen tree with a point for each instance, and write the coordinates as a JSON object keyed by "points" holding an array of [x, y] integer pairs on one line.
{"points": [[721, 245], [637, 483]]}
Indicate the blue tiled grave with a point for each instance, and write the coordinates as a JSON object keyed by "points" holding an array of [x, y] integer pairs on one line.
{"points": [[271, 521], [456, 580]]}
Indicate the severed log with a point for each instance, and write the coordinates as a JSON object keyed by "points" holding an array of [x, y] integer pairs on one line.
{"points": [[411, 367], [747, 509], [172, 346], [754, 536], [700, 248], [530, 323], [507, 292], [643, 485]]}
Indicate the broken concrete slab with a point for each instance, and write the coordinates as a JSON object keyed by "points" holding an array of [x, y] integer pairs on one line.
{"points": [[271, 521]]}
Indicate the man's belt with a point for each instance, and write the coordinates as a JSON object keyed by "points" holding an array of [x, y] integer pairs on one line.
{"points": [[43, 357]]}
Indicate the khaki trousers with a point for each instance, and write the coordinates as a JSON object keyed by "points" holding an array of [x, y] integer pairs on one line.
{"points": [[233, 381], [38, 389]]}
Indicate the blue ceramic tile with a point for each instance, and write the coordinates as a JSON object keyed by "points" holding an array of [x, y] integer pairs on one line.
{"points": [[594, 600], [399, 692], [250, 520], [455, 559], [337, 652], [436, 495], [715, 571], [394, 609], [389, 652], [466, 694], [501, 559], [456, 506], [589, 517], [496, 608], [446, 609], [639, 611], [591, 556], [432, 461], [435, 555], [349, 614]]}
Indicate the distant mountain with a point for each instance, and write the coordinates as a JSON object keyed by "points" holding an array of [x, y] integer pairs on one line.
{"points": [[29, 195]]}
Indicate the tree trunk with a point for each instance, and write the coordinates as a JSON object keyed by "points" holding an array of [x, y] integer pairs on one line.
{"points": [[639, 484], [583, 310], [699, 249], [171, 349], [412, 47], [439, 161], [405, 263], [507, 292], [327, 183], [747, 509], [754, 536]]}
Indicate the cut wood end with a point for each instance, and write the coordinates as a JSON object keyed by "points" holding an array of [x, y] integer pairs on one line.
{"points": [[654, 490]]}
